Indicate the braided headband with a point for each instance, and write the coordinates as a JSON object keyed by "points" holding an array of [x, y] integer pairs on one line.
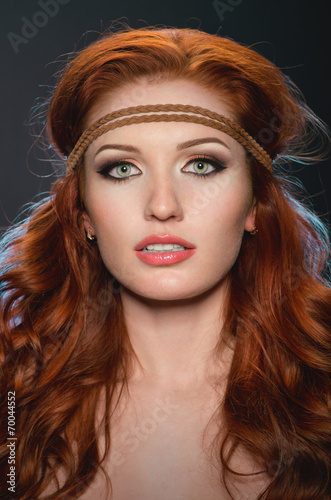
{"points": [[198, 115]]}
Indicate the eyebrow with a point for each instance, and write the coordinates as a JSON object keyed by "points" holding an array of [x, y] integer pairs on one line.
{"points": [[196, 142], [183, 145]]}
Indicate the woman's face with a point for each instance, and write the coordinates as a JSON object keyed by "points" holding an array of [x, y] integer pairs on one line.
{"points": [[184, 180]]}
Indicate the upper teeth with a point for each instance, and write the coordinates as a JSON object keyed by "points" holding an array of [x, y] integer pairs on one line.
{"points": [[160, 247]]}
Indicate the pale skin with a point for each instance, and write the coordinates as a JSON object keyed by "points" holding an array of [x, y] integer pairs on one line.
{"points": [[173, 312]]}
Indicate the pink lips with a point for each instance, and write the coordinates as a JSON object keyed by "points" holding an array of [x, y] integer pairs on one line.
{"points": [[164, 258]]}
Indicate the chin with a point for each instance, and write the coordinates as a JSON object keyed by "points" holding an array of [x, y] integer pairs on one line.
{"points": [[160, 295], [169, 293]]}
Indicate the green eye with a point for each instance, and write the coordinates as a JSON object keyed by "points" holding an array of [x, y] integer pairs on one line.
{"points": [[123, 170], [200, 166], [204, 166]]}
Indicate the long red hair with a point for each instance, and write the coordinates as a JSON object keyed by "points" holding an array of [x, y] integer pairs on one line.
{"points": [[59, 303]]}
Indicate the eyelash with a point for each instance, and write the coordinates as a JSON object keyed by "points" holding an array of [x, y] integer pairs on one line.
{"points": [[214, 162], [218, 165], [105, 169]]}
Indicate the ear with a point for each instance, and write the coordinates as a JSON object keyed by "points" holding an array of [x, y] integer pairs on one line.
{"points": [[251, 215], [87, 223]]}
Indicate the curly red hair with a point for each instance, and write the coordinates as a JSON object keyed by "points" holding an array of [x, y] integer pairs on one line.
{"points": [[59, 303]]}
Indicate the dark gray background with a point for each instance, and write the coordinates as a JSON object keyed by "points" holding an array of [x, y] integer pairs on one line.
{"points": [[295, 35]]}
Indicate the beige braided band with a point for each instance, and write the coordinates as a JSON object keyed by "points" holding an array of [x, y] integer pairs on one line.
{"points": [[198, 115]]}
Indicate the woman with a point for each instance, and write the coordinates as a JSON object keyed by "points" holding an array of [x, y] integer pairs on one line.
{"points": [[165, 322]]}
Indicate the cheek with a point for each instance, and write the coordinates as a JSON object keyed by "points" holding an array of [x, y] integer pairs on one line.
{"points": [[112, 226], [114, 220], [105, 209], [224, 228], [226, 209]]}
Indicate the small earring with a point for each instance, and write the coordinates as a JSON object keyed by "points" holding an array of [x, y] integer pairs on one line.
{"points": [[91, 237], [254, 231]]}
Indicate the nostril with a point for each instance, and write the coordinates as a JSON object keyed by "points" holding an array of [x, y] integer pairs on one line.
{"points": [[164, 204]]}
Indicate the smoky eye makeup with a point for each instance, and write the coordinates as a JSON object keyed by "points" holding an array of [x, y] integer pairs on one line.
{"points": [[121, 166], [197, 165], [204, 166], [118, 170]]}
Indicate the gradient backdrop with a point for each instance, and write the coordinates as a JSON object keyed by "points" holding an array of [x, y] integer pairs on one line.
{"points": [[37, 34]]}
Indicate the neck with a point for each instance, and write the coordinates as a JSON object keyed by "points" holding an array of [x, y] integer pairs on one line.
{"points": [[174, 341]]}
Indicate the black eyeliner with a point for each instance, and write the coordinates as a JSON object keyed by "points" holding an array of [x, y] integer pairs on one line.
{"points": [[108, 166], [217, 164], [214, 162]]}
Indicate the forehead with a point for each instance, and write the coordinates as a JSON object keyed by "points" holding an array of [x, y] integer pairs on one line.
{"points": [[144, 92]]}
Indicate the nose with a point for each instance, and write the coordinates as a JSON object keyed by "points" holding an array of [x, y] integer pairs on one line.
{"points": [[162, 200]]}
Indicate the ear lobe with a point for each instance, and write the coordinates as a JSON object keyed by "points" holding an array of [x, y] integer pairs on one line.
{"points": [[250, 219], [88, 226]]}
